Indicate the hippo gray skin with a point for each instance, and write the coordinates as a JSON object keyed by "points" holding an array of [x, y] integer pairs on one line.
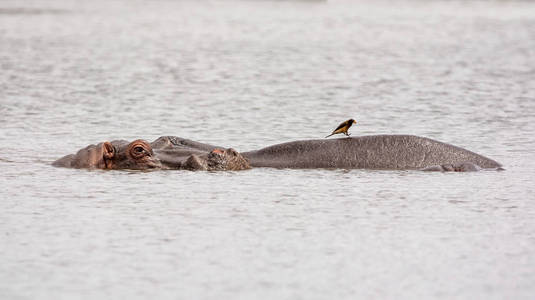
{"points": [[163, 153], [384, 152]]}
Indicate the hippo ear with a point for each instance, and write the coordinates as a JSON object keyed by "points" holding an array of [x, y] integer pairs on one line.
{"points": [[108, 152]]}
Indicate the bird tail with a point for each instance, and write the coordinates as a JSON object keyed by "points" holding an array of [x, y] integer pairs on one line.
{"points": [[328, 135]]}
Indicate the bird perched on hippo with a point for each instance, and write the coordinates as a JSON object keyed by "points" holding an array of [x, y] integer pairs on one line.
{"points": [[343, 128], [383, 152]]}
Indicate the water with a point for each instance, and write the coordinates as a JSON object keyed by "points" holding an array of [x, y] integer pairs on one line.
{"points": [[249, 74]]}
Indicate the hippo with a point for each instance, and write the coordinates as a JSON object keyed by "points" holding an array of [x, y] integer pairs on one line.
{"points": [[164, 153], [118, 154], [383, 152]]}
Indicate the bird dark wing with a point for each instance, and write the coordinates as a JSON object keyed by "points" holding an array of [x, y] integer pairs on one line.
{"points": [[344, 124]]}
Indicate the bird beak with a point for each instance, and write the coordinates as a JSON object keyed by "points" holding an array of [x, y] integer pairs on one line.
{"points": [[354, 122]]}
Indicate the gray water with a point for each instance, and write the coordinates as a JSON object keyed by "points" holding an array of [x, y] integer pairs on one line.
{"points": [[248, 74]]}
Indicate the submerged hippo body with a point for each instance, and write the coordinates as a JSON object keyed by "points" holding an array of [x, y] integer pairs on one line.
{"points": [[387, 152]]}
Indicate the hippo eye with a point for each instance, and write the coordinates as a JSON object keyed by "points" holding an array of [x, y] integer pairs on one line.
{"points": [[139, 152], [139, 149]]}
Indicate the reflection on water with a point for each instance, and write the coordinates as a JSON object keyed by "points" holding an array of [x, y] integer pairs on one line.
{"points": [[246, 75]]}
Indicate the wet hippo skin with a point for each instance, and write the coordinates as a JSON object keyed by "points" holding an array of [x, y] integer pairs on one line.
{"points": [[118, 154], [385, 152], [167, 152]]}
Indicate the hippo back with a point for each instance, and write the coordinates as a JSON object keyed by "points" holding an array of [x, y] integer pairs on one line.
{"points": [[395, 152]]}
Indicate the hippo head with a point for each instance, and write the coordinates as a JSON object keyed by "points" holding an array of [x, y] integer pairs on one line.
{"points": [[217, 160], [137, 155]]}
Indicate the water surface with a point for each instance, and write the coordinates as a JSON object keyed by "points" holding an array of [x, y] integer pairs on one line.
{"points": [[249, 74]]}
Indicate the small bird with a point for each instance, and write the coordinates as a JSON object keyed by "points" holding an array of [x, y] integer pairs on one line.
{"points": [[342, 128]]}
